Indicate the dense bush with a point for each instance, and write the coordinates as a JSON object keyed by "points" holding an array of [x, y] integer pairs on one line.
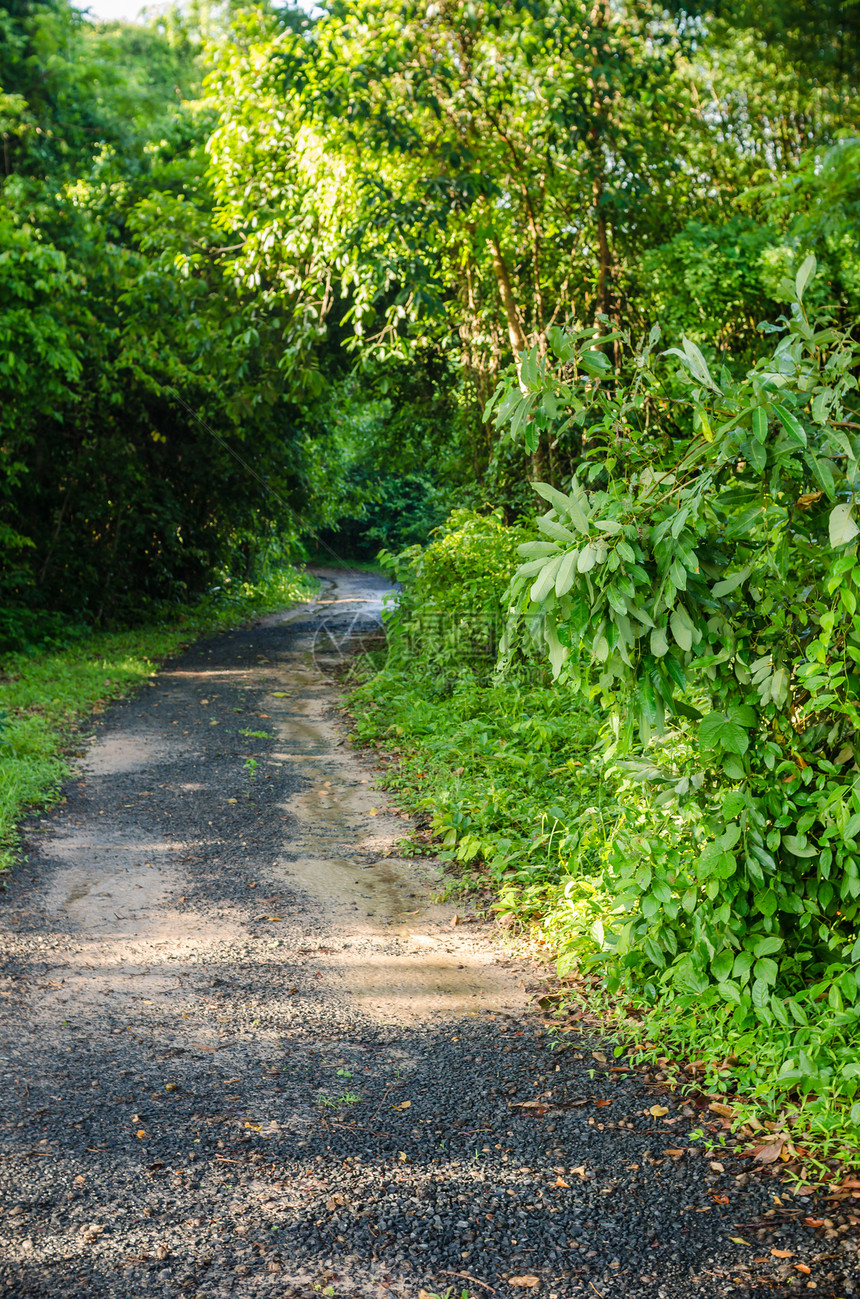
{"points": [[699, 579]]}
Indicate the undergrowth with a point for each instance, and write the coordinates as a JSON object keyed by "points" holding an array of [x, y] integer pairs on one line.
{"points": [[509, 777], [46, 694]]}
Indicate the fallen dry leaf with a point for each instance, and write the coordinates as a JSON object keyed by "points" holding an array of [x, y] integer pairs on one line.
{"points": [[657, 1111], [560, 1182], [801, 1267], [769, 1152], [673, 1152], [724, 1111], [738, 1240], [600, 1104], [814, 1222], [404, 1105], [720, 1199], [528, 1281], [580, 1172], [782, 1253]]}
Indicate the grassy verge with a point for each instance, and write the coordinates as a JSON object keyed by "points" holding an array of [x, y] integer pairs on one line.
{"points": [[507, 790], [46, 695]]}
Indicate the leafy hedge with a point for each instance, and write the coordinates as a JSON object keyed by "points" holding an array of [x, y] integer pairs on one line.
{"points": [[700, 579]]}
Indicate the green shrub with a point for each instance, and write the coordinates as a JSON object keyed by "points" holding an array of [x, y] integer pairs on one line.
{"points": [[700, 579]]}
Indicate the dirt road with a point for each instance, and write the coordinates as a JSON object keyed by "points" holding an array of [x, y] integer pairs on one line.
{"points": [[245, 1053]]}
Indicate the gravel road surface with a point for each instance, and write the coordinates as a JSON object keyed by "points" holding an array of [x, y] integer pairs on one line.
{"points": [[244, 1052]]}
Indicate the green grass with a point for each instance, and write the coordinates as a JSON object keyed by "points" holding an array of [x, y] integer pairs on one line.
{"points": [[505, 777], [46, 695]]}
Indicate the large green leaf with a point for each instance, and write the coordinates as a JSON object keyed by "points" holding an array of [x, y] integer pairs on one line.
{"points": [[842, 526]]}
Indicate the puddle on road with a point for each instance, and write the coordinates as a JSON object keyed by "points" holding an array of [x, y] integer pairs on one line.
{"points": [[408, 960]]}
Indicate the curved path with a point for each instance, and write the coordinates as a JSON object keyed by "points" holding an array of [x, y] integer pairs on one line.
{"points": [[244, 1052]]}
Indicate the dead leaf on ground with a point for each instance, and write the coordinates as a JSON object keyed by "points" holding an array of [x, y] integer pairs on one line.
{"points": [[673, 1152], [657, 1111], [560, 1182], [580, 1172], [528, 1281], [782, 1253], [801, 1267], [600, 1104], [404, 1105], [724, 1111], [770, 1151], [738, 1240]]}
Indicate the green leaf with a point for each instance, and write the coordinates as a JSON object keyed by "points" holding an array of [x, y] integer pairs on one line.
{"points": [[756, 455], [587, 559], [731, 583], [842, 526], [678, 575], [718, 731], [566, 573], [759, 424], [659, 643], [805, 274], [640, 615], [553, 495], [681, 631], [546, 580], [557, 531], [798, 845], [595, 363], [766, 945], [791, 425], [537, 549], [766, 970]]}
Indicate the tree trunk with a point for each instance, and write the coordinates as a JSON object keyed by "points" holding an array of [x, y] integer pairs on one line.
{"points": [[512, 315]]}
